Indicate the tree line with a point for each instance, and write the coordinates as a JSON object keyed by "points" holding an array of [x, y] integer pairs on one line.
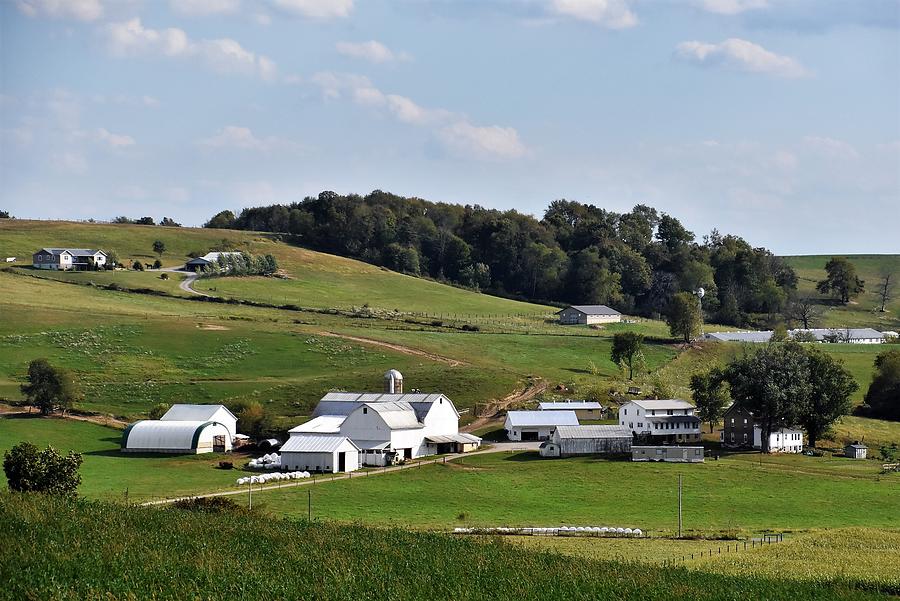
{"points": [[576, 253]]}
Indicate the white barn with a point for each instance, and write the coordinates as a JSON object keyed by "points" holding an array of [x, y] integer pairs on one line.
{"points": [[183, 429], [312, 453], [665, 421], [588, 314], [782, 440], [387, 426], [536, 425]]}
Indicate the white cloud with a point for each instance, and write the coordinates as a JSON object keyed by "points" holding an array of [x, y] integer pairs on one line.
{"points": [[612, 14], [335, 85], [242, 138], [372, 51], [199, 8], [113, 140], [830, 147], [485, 142], [315, 9], [741, 55], [224, 55], [80, 10], [70, 162], [731, 7]]}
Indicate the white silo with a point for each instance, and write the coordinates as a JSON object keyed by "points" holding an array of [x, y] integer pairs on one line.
{"points": [[393, 382]]}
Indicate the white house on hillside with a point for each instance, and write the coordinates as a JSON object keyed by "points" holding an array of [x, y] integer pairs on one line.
{"points": [[665, 421], [65, 259], [783, 440], [386, 426], [183, 429]]}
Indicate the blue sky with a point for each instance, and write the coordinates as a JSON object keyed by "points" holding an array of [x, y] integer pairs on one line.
{"points": [[778, 120]]}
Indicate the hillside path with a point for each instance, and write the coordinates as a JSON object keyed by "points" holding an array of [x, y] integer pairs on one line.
{"points": [[396, 347], [501, 447], [521, 396]]}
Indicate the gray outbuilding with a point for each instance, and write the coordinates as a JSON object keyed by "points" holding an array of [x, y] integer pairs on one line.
{"points": [[669, 454], [856, 450], [588, 314], [568, 441]]}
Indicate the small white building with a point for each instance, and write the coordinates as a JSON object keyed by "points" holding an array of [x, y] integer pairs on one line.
{"points": [[183, 429], [315, 453], [856, 450], [665, 421], [536, 425], [588, 314], [782, 440], [583, 409], [834, 335], [65, 259]]}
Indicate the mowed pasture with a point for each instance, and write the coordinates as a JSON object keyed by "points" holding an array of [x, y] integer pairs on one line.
{"points": [[862, 311], [64, 550], [738, 493]]}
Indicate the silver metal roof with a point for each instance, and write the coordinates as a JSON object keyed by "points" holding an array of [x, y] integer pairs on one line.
{"points": [[311, 443], [324, 424], [557, 405], [372, 445], [75, 252], [820, 334], [541, 418], [593, 310], [397, 414], [601, 431], [461, 437], [344, 403], [662, 404], [186, 412]]}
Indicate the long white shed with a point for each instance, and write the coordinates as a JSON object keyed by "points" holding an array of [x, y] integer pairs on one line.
{"points": [[172, 436], [536, 425], [320, 453]]}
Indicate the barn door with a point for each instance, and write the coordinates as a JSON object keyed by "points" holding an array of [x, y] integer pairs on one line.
{"points": [[342, 462]]}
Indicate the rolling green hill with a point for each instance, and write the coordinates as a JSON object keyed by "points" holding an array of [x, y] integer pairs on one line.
{"points": [[59, 550], [861, 312]]}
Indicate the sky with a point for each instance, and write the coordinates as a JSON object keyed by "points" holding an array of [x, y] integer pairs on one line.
{"points": [[776, 120]]}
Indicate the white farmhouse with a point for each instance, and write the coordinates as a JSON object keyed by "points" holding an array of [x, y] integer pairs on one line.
{"points": [[536, 425], [330, 454], [783, 440], [668, 421], [588, 314], [65, 259], [387, 426], [183, 429]]}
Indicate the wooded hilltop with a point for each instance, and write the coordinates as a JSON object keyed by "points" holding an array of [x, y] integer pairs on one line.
{"points": [[577, 253]]}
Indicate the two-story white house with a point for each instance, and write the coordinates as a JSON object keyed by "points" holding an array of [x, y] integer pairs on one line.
{"points": [[668, 421], [782, 440], [65, 259]]}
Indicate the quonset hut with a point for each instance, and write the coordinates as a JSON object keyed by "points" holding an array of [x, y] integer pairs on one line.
{"points": [[183, 429]]}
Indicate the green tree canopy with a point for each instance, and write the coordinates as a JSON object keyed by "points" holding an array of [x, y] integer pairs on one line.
{"points": [[684, 317], [253, 419], [627, 349], [159, 247], [830, 388], [841, 280], [883, 396], [29, 469], [49, 388], [773, 384], [711, 395]]}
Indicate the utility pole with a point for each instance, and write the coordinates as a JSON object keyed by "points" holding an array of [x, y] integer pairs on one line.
{"points": [[679, 505]]}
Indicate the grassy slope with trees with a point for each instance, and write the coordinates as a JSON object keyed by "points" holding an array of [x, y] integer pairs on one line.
{"points": [[65, 550]]}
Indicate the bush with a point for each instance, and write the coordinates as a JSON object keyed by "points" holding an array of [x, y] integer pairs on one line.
{"points": [[468, 327], [164, 276], [29, 469], [157, 264], [208, 505], [226, 465], [158, 410], [137, 266]]}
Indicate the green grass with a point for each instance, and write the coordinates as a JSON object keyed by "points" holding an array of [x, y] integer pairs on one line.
{"points": [[862, 311], [90, 551], [108, 474], [867, 556], [738, 492]]}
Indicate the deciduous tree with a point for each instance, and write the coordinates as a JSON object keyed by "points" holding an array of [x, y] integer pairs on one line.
{"points": [[711, 395], [49, 388], [830, 388], [627, 349], [159, 247], [883, 396], [841, 280], [29, 469], [884, 290], [684, 316]]}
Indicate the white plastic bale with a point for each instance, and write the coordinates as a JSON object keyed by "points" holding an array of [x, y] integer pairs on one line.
{"points": [[638, 532]]}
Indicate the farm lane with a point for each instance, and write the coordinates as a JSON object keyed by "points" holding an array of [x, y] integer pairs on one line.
{"points": [[396, 347], [502, 447]]}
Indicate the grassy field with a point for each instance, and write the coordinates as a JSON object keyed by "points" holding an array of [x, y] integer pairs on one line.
{"points": [[862, 311], [108, 474], [737, 493], [867, 556], [89, 551]]}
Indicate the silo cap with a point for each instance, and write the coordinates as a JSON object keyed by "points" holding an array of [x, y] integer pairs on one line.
{"points": [[393, 374]]}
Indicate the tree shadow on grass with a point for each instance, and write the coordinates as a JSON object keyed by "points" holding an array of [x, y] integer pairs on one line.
{"points": [[524, 456]]}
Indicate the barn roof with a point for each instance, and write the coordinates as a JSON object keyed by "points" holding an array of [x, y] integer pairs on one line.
{"points": [[396, 414], [187, 412], [324, 424], [662, 404], [344, 403], [601, 431], [541, 418], [460, 437], [313, 443], [75, 252], [820, 334], [592, 310], [158, 434]]}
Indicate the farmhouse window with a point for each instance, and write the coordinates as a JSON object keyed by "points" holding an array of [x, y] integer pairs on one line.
{"points": [[669, 412]]}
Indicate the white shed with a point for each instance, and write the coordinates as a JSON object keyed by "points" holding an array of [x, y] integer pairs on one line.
{"points": [[588, 314], [536, 425], [157, 436], [320, 453], [202, 413]]}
